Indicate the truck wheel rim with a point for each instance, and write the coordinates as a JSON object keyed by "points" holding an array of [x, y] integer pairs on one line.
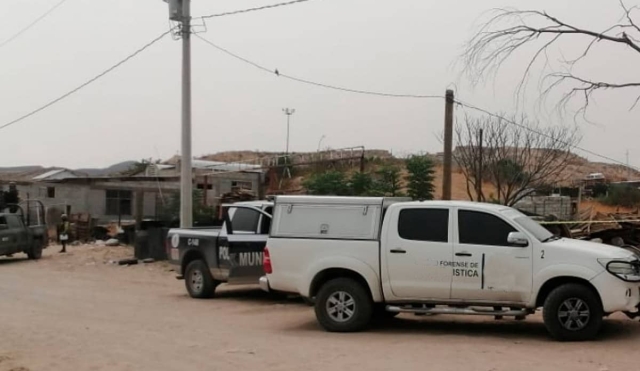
{"points": [[196, 280], [574, 314], [341, 306]]}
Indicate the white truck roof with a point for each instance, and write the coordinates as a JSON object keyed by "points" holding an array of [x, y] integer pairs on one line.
{"points": [[348, 218]]}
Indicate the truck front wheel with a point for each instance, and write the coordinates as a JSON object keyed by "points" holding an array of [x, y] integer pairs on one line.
{"points": [[198, 280], [573, 312], [343, 305]]}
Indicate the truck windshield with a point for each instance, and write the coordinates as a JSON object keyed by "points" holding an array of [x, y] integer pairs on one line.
{"points": [[538, 231]]}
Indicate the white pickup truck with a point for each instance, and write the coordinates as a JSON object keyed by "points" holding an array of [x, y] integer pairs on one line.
{"points": [[364, 258]]}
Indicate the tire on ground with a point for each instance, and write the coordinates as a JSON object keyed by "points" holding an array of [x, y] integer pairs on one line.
{"points": [[35, 252], [558, 309], [198, 280], [354, 314]]}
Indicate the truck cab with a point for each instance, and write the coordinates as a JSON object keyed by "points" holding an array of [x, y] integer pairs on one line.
{"points": [[232, 254], [365, 258]]}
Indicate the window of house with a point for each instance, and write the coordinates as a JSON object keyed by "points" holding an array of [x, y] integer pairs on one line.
{"points": [[119, 202], [241, 185], [51, 192], [424, 225], [201, 186], [478, 228]]}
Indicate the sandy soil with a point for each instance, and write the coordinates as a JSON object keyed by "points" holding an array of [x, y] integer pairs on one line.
{"points": [[78, 312]]}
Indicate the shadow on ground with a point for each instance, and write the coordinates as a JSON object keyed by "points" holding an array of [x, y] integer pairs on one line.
{"points": [[510, 330]]}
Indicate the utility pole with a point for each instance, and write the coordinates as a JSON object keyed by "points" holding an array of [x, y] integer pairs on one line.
{"points": [[288, 112], [479, 197], [180, 11], [448, 145]]}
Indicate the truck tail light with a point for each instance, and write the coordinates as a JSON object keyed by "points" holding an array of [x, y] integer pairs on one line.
{"points": [[266, 261]]}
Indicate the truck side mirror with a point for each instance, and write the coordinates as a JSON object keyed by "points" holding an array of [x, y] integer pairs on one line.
{"points": [[518, 239]]}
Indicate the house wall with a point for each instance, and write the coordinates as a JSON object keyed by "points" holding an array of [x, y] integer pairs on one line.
{"points": [[83, 198]]}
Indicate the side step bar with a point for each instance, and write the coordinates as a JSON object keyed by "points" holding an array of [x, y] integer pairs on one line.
{"points": [[452, 310]]}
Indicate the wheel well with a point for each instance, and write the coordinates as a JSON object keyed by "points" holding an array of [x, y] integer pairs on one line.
{"points": [[556, 282], [329, 274], [190, 256]]}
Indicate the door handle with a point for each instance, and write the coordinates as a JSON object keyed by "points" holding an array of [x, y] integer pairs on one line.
{"points": [[463, 254], [398, 251]]}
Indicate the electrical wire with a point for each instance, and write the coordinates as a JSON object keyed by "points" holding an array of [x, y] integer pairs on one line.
{"points": [[88, 82], [25, 29], [393, 95], [318, 84], [252, 9], [511, 122]]}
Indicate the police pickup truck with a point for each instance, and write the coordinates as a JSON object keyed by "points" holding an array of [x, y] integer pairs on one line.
{"points": [[365, 258], [205, 258]]}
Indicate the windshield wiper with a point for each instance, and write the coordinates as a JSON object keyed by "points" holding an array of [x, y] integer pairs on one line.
{"points": [[551, 238]]}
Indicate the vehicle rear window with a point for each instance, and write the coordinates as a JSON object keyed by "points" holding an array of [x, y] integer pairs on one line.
{"points": [[3, 221], [424, 225], [478, 228], [245, 220]]}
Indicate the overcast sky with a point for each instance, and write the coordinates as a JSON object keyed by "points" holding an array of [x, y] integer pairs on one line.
{"points": [[400, 46]]}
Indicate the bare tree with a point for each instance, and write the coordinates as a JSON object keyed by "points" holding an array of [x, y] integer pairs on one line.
{"points": [[508, 31], [516, 156]]}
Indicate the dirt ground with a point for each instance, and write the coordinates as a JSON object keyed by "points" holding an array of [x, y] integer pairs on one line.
{"points": [[78, 312]]}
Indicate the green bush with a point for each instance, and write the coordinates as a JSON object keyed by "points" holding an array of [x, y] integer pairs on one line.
{"points": [[420, 179], [622, 195]]}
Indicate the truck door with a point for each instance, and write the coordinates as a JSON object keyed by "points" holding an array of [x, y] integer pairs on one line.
{"points": [[417, 250], [17, 227], [486, 267], [8, 241], [242, 242]]}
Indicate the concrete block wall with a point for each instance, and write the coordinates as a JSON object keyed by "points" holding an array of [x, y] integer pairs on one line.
{"points": [[560, 206]]}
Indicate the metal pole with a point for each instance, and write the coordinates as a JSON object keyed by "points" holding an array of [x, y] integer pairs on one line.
{"points": [[288, 112], [479, 173], [186, 177], [448, 145]]}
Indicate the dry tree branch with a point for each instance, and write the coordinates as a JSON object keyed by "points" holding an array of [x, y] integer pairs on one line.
{"points": [[508, 31]]}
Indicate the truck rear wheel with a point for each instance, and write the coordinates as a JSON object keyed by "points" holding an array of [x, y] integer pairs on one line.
{"points": [[343, 305], [35, 252], [573, 312], [200, 284]]}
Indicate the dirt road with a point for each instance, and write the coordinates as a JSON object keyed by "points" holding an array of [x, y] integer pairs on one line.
{"points": [[74, 312]]}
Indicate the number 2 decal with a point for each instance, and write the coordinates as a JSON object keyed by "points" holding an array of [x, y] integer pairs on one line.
{"points": [[542, 256]]}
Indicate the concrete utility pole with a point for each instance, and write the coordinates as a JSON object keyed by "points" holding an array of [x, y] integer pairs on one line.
{"points": [[479, 171], [448, 145], [180, 11], [288, 112]]}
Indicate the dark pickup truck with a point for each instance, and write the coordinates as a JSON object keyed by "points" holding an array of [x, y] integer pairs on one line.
{"points": [[207, 257], [19, 233]]}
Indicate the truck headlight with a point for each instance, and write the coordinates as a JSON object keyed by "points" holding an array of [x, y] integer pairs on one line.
{"points": [[625, 270]]}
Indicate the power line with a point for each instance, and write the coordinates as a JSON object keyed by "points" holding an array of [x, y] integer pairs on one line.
{"points": [[511, 122], [88, 82], [318, 84], [253, 9], [25, 29]]}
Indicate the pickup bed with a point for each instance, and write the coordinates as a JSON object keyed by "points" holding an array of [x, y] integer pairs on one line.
{"points": [[207, 257], [361, 259], [18, 237]]}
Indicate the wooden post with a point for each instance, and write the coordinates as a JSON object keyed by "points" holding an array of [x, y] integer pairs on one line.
{"points": [[448, 145]]}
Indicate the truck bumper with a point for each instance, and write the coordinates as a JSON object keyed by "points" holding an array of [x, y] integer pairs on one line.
{"points": [[616, 294], [264, 283]]}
